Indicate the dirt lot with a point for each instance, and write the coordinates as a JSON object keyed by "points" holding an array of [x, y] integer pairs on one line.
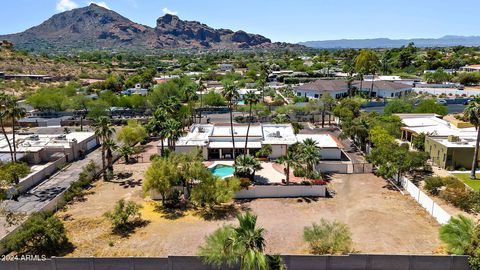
{"points": [[381, 220]]}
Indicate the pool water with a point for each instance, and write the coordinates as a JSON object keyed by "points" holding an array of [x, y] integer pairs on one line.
{"points": [[241, 102], [222, 170]]}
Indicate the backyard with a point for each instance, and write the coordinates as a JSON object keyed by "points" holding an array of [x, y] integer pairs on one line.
{"points": [[381, 220], [465, 177]]}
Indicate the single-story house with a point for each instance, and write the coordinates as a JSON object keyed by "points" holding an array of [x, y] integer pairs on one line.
{"points": [[215, 140], [340, 88]]}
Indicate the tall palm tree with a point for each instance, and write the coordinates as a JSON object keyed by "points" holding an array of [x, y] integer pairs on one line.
{"points": [[250, 99], [246, 166], [15, 112], [472, 114], [156, 125], [289, 160], [327, 102], [190, 93], [172, 132], [232, 244], [110, 147], [201, 88], [104, 131], [230, 93], [4, 104], [310, 155]]}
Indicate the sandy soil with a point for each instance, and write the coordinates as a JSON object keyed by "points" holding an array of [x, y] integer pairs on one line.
{"points": [[381, 220]]}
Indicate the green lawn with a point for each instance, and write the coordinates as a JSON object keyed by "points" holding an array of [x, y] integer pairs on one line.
{"points": [[465, 177]]}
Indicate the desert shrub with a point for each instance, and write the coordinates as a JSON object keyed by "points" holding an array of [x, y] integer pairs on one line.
{"points": [[434, 184], [245, 183], [124, 215], [42, 233], [84, 181], [328, 237]]}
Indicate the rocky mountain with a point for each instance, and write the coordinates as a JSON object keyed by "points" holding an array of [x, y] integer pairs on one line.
{"points": [[95, 27], [446, 41]]}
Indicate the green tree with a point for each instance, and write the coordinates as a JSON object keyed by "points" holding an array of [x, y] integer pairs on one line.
{"points": [[5, 101], [230, 93], [328, 238], [242, 244], [327, 102], [472, 114], [398, 105], [132, 134], [41, 233], [126, 151], [212, 98], [310, 156], [172, 132], [367, 62], [250, 99], [14, 112], [457, 234], [110, 147], [160, 176], [431, 106], [104, 131], [12, 172], [289, 160], [124, 215], [156, 126], [212, 190], [246, 166]]}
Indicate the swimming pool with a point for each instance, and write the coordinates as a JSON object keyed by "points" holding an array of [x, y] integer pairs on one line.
{"points": [[241, 102], [222, 170]]}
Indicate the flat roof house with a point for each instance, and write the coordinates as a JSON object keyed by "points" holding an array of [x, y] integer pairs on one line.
{"points": [[470, 68], [449, 145], [215, 141], [38, 148]]}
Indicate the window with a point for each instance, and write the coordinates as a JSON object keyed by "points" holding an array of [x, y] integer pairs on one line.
{"points": [[299, 94], [315, 96]]}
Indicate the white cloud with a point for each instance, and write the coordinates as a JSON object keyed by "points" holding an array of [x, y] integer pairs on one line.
{"points": [[168, 11], [101, 4], [64, 5]]}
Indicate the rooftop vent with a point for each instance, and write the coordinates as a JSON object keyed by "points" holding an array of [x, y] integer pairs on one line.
{"points": [[453, 138], [34, 137]]}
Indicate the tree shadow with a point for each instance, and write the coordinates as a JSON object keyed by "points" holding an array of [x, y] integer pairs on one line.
{"points": [[222, 212], [307, 199], [130, 228], [171, 213]]}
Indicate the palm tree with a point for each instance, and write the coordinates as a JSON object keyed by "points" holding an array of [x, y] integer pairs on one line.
{"points": [[246, 166], [296, 127], [457, 234], [310, 155], [230, 93], [110, 147], [4, 104], [172, 132], [104, 131], [288, 160], [126, 151], [327, 102], [156, 125], [472, 114], [15, 112], [367, 61], [232, 244], [190, 93], [201, 88], [250, 99]]}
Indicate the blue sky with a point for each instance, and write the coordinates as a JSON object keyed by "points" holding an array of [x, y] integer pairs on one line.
{"points": [[280, 20]]}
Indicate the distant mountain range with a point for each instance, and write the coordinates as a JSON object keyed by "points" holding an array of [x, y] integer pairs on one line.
{"points": [[446, 41], [94, 27]]}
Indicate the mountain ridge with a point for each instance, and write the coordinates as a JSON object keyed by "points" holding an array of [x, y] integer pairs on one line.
{"points": [[95, 27], [445, 41]]}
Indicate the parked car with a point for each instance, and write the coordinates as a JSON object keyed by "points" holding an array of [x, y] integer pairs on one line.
{"points": [[442, 101]]}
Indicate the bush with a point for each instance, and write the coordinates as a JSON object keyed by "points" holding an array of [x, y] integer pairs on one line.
{"points": [[299, 172], [124, 215], [41, 233], [434, 184], [154, 157], [328, 238], [245, 183]]}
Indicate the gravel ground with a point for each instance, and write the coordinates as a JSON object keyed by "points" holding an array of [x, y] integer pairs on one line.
{"points": [[381, 220]]}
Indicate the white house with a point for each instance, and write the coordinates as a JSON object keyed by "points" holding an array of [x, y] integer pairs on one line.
{"points": [[215, 140]]}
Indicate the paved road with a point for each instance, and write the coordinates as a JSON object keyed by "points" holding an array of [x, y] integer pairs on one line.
{"points": [[33, 200]]}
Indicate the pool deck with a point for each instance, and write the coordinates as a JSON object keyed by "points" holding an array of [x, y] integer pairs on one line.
{"points": [[267, 175]]}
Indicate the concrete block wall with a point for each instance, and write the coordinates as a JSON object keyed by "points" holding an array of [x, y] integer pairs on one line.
{"points": [[292, 262]]}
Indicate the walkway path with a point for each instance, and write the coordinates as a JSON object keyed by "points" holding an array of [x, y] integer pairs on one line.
{"points": [[35, 199]]}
